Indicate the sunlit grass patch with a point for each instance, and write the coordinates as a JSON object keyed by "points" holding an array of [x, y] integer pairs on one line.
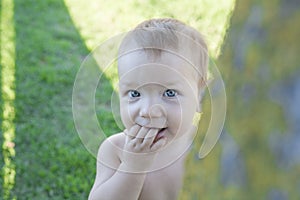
{"points": [[98, 21], [7, 55]]}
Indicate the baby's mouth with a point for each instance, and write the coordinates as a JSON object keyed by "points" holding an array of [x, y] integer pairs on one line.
{"points": [[160, 134]]}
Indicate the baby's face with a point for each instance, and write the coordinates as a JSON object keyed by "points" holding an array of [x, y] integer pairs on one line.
{"points": [[158, 93]]}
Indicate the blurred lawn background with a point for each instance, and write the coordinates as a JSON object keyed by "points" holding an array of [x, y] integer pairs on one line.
{"points": [[44, 42]]}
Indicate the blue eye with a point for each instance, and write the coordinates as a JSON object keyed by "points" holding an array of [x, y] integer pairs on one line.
{"points": [[133, 94], [170, 93]]}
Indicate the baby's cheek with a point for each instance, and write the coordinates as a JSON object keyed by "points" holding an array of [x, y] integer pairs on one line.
{"points": [[187, 119], [126, 117], [175, 119]]}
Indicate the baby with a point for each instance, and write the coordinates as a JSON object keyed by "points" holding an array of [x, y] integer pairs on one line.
{"points": [[162, 66]]}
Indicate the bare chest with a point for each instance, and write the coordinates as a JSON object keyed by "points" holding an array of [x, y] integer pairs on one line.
{"points": [[163, 184]]}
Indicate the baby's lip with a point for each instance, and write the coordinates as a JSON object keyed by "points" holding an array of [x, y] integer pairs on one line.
{"points": [[155, 123]]}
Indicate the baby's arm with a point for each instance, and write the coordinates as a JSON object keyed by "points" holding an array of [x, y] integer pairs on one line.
{"points": [[122, 182], [112, 183]]}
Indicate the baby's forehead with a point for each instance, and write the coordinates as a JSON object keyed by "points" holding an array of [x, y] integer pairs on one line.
{"points": [[138, 69], [169, 59]]}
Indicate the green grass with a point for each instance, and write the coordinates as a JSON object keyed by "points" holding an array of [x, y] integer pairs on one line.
{"points": [[51, 41], [51, 162]]}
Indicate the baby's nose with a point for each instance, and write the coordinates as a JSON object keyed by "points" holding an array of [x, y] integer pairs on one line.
{"points": [[153, 111], [154, 116]]}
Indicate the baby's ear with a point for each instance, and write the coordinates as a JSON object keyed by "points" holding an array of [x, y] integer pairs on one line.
{"points": [[200, 97], [202, 84]]}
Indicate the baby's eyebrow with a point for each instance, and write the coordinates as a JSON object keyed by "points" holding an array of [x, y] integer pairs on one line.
{"points": [[127, 84], [135, 85]]}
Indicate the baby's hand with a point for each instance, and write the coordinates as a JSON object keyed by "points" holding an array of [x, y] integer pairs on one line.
{"points": [[140, 149], [140, 139]]}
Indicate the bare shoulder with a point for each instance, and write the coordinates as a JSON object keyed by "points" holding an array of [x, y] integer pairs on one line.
{"points": [[108, 158], [117, 139], [110, 149]]}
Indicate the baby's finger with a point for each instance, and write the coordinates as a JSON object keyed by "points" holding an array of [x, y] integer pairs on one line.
{"points": [[159, 144], [150, 137], [133, 131], [142, 133]]}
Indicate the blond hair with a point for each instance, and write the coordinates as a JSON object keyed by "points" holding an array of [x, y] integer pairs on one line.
{"points": [[155, 36]]}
